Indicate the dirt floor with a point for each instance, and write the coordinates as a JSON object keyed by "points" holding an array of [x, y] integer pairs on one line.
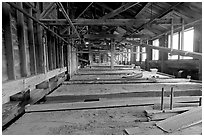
{"points": [[110, 121]]}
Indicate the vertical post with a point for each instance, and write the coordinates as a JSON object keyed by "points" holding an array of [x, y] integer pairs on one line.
{"points": [[200, 101], [182, 34], [31, 44], [172, 33], [162, 99], [90, 55], [134, 55], [6, 24], [147, 57], [171, 98], [179, 43], [22, 46], [112, 53]]}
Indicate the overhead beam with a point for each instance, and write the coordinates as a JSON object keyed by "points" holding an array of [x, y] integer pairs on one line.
{"points": [[153, 19], [46, 11], [85, 10], [120, 9], [179, 28], [68, 19], [34, 19], [142, 9], [107, 22]]}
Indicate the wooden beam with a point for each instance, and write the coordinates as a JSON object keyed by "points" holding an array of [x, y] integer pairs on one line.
{"points": [[142, 9], [101, 36], [100, 104], [179, 28], [180, 121], [172, 51], [68, 19], [6, 24], [153, 19], [36, 20], [107, 22], [112, 54], [48, 8], [120, 9], [12, 87], [85, 10], [21, 39], [31, 45]]}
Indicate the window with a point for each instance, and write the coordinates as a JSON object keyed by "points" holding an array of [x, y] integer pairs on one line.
{"points": [[155, 53], [138, 55], [175, 45], [144, 54], [188, 43]]}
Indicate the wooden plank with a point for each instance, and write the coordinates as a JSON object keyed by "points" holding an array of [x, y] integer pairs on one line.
{"points": [[31, 45], [175, 110], [11, 110], [37, 94], [8, 41], [120, 9], [100, 104], [162, 116], [21, 39], [182, 120], [12, 87], [48, 8]]}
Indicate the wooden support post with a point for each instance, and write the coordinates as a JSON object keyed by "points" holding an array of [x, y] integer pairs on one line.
{"points": [[40, 46], [54, 51], [171, 98], [6, 24], [182, 35], [179, 44], [112, 53], [134, 55], [172, 33], [31, 44], [21, 39], [49, 44], [200, 101], [162, 99], [90, 55], [148, 50]]}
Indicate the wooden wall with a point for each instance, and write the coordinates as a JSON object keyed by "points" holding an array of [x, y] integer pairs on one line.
{"points": [[30, 54]]}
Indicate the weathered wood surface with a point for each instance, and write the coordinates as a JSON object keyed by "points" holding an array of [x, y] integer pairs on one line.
{"points": [[10, 110], [104, 104], [153, 130], [175, 110], [97, 89], [182, 120]]}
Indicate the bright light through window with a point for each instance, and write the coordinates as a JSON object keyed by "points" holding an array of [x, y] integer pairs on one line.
{"points": [[155, 53], [188, 41]]}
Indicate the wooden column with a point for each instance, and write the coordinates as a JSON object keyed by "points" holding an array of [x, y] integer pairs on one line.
{"points": [[90, 55], [197, 46], [49, 44], [161, 54], [6, 24], [112, 53], [31, 43], [147, 57], [172, 33], [21, 39], [179, 43], [134, 55], [57, 51]]}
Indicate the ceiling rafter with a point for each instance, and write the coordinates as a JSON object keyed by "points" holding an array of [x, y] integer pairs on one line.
{"points": [[119, 10], [48, 10]]}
